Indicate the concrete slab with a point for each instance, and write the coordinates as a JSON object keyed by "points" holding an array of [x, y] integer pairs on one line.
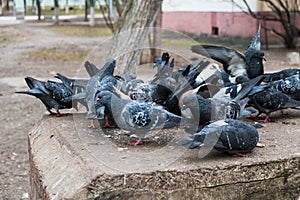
{"points": [[70, 161]]}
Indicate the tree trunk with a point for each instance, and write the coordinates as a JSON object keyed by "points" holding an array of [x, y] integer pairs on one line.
{"points": [[156, 52], [67, 6], [33, 6], [7, 5], [0, 7], [25, 6], [92, 13], [86, 10], [56, 12], [137, 15], [38, 5]]}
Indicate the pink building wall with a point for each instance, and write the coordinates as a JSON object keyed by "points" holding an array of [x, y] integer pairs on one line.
{"points": [[233, 24], [228, 23]]}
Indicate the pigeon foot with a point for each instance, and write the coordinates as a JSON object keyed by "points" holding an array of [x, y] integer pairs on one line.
{"points": [[92, 125], [58, 114], [283, 113], [266, 120], [242, 154], [253, 117], [107, 124], [139, 141]]}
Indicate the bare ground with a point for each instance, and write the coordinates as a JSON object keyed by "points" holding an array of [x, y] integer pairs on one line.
{"points": [[20, 112]]}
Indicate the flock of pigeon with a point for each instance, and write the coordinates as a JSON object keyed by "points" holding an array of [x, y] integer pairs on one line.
{"points": [[206, 105]]}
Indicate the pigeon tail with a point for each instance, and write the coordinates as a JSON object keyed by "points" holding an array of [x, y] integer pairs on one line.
{"points": [[255, 42], [247, 88], [34, 83], [258, 89], [34, 92], [66, 81], [91, 68]]}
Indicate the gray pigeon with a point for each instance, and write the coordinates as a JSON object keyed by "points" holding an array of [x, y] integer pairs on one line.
{"points": [[254, 56], [241, 67], [226, 103], [137, 117], [269, 77], [161, 62], [77, 86], [272, 100], [52, 94], [239, 91], [198, 111], [289, 86], [130, 83], [93, 86], [230, 136]]}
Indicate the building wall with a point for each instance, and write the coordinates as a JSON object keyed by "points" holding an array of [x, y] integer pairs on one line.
{"points": [[228, 23], [198, 17], [206, 5]]}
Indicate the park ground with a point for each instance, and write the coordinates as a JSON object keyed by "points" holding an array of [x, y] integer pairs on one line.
{"points": [[41, 50]]}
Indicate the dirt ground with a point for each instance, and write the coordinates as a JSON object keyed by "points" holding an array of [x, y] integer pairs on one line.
{"points": [[20, 112]]}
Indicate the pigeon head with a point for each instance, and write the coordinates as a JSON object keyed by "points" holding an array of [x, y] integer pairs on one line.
{"points": [[255, 64], [103, 97], [190, 106], [258, 54]]}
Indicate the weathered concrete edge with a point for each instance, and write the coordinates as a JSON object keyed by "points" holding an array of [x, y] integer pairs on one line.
{"points": [[270, 180], [57, 171]]}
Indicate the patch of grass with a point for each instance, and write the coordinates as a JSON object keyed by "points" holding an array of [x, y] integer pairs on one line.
{"points": [[179, 42], [55, 54], [82, 31]]}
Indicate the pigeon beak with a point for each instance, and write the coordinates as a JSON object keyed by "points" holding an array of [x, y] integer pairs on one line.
{"points": [[264, 58], [100, 112]]}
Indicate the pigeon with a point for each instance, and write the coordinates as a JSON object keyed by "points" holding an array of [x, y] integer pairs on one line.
{"points": [[161, 62], [289, 86], [76, 86], [197, 111], [254, 56], [231, 136], [227, 103], [272, 100], [191, 75], [240, 67], [239, 91], [151, 93], [156, 90], [269, 77], [130, 82], [93, 86], [135, 116], [52, 94], [108, 83]]}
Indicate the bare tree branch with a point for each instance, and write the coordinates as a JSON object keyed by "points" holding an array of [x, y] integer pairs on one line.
{"points": [[283, 12], [107, 18]]}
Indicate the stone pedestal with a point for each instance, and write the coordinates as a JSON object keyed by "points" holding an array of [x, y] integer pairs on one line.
{"points": [[70, 161]]}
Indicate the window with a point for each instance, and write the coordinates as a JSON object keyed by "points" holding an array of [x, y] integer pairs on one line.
{"points": [[215, 30]]}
